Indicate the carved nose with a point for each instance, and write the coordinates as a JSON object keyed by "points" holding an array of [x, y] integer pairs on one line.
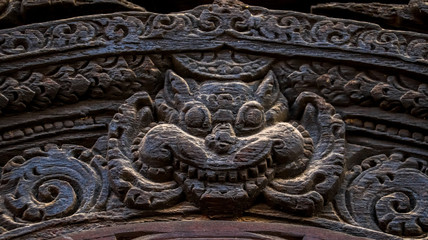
{"points": [[223, 116], [222, 138]]}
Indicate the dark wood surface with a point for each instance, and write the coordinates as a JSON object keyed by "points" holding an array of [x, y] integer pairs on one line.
{"points": [[224, 120]]}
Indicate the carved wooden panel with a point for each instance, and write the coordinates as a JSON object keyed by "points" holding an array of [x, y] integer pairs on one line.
{"points": [[222, 121]]}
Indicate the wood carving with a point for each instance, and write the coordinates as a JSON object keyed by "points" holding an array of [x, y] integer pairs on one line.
{"points": [[224, 143], [118, 123], [54, 183], [400, 206]]}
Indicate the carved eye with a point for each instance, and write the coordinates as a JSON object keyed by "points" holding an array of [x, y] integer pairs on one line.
{"points": [[250, 116], [196, 117], [253, 117]]}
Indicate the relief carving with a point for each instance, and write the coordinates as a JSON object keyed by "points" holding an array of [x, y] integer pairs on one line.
{"points": [[212, 22], [346, 85], [410, 16], [226, 142], [387, 194], [225, 111], [52, 183], [115, 77], [18, 12]]}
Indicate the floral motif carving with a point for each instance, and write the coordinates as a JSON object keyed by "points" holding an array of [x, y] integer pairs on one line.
{"points": [[114, 77], [211, 21], [344, 85]]}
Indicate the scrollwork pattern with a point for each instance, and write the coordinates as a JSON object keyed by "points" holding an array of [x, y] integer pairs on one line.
{"points": [[52, 183], [111, 77], [212, 21], [387, 194], [344, 85]]}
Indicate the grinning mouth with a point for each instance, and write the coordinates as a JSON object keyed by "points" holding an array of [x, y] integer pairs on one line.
{"points": [[224, 192], [183, 171]]}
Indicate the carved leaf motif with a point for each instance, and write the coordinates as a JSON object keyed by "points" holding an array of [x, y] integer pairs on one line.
{"points": [[114, 77], [207, 22], [342, 85]]}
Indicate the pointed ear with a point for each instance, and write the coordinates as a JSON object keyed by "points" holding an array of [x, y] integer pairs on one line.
{"points": [[176, 88], [268, 90]]}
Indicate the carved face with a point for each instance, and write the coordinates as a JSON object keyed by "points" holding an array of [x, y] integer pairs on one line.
{"points": [[221, 139], [223, 144]]}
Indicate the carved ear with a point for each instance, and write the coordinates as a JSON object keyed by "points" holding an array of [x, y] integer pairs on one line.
{"points": [[268, 90], [176, 88]]}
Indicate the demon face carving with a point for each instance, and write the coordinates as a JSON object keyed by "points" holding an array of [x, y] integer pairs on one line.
{"points": [[219, 143]]}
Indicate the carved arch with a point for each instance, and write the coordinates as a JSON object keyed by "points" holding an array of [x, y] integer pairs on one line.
{"points": [[223, 111]]}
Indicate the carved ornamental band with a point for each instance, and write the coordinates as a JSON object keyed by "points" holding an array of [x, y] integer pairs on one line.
{"points": [[227, 115]]}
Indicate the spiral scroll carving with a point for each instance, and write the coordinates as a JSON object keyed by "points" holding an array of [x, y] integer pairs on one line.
{"points": [[388, 194], [55, 183]]}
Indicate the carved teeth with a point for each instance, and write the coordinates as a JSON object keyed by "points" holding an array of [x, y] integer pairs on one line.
{"points": [[262, 166], [221, 176], [211, 176], [179, 176], [300, 128], [305, 134], [261, 181], [201, 175], [270, 173], [251, 187], [183, 167], [156, 171], [191, 172], [135, 155], [254, 172], [137, 141], [134, 148], [243, 175], [233, 176]]}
